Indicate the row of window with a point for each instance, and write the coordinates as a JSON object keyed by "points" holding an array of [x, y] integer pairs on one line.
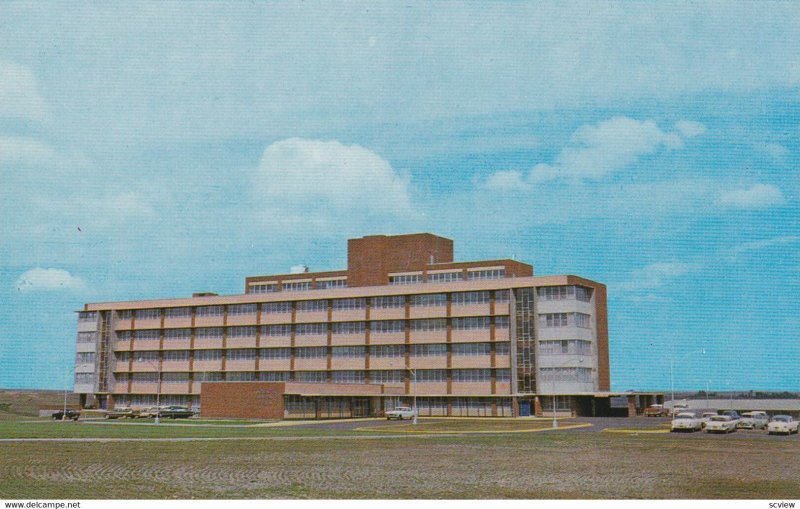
{"points": [[565, 293], [426, 350], [565, 346], [581, 375], [565, 320], [443, 277], [345, 377], [316, 329], [294, 286], [393, 301]]}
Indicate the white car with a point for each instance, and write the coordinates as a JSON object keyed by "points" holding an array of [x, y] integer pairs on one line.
{"points": [[721, 424], [753, 420], [400, 413], [686, 421], [783, 424], [706, 416]]}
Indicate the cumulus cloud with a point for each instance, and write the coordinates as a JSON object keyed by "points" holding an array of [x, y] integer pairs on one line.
{"points": [[312, 183], [596, 151], [39, 279], [19, 93], [656, 275], [754, 197]]}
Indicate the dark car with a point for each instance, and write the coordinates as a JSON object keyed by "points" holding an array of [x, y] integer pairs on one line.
{"points": [[70, 414], [176, 412]]}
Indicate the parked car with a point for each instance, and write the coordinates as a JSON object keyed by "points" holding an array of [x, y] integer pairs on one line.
{"points": [[706, 416], [721, 424], [686, 421], [753, 420], [733, 414], [150, 412], [679, 407], [782, 424], [176, 412], [656, 411], [121, 413], [400, 413], [70, 414]]}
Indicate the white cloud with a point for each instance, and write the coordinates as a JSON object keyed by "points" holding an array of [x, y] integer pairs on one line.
{"points": [[19, 93], [596, 151], [753, 197], [774, 150], [23, 151], [326, 184], [762, 244], [39, 279], [656, 275]]}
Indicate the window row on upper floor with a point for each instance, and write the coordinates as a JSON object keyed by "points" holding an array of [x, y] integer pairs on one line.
{"points": [[446, 276], [570, 292]]}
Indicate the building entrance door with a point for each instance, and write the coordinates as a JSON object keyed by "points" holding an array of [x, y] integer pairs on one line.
{"points": [[361, 407]]}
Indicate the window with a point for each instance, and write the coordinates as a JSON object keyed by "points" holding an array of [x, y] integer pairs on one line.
{"points": [[388, 350], [347, 377], [275, 353], [210, 311], [208, 376], [84, 358], [273, 376], [90, 337], [429, 375], [176, 355], [503, 375], [502, 348], [431, 350], [385, 326], [316, 352], [565, 293], [428, 300], [170, 334], [429, 324], [122, 335], [123, 356], [87, 316], [174, 378], [387, 376], [471, 349], [563, 374], [582, 320], [124, 314], [343, 304], [565, 320], [331, 283], [147, 335], [84, 378], [311, 329], [471, 322], [312, 305], [208, 355], [209, 332], [349, 351], [276, 330], [392, 301], [121, 378], [311, 376], [486, 274], [466, 298], [472, 375], [276, 307], [348, 327], [241, 332], [296, 286], [240, 376], [565, 346], [445, 277], [149, 357], [241, 354], [501, 322], [243, 309], [178, 312], [263, 288], [501, 296], [148, 314], [146, 378], [405, 279]]}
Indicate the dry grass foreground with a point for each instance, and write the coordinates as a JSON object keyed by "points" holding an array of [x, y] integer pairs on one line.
{"points": [[516, 465]]}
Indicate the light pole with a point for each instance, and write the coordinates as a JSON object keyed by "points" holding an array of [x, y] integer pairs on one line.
{"points": [[672, 376], [553, 378], [158, 388], [413, 388]]}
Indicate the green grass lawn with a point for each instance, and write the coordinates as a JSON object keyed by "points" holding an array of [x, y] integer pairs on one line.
{"points": [[513, 465]]}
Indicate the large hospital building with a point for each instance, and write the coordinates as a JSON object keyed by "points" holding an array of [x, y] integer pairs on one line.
{"points": [[403, 323]]}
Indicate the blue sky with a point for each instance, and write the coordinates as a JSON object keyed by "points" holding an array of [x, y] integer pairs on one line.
{"points": [[153, 150]]}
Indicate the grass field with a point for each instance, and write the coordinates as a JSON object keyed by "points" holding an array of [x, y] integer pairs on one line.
{"points": [[301, 463], [17, 404]]}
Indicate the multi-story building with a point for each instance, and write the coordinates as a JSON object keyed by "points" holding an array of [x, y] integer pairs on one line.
{"points": [[404, 322]]}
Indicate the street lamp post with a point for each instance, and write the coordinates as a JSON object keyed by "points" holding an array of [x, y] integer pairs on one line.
{"points": [[158, 388]]}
